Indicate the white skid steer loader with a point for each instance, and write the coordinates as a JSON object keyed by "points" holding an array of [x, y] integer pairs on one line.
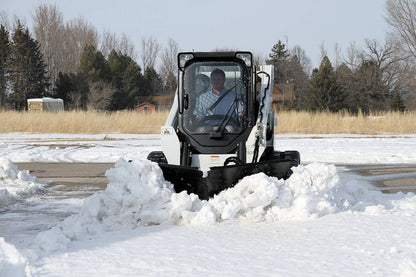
{"points": [[221, 125]]}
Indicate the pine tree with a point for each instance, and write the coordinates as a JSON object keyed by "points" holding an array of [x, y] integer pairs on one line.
{"points": [[397, 104], [4, 64], [94, 66], [325, 94], [153, 84], [132, 85], [279, 53], [64, 85], [73, 89], [118, 63], [27, 69], [170, 84], [344, 77], [279, 58], [126, 78], [370, 89]]}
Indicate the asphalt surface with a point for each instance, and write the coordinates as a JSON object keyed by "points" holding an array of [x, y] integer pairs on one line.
{"points": [[70, 179], [86, 178], [388, 178]]}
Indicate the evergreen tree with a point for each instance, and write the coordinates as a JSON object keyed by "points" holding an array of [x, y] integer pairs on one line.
{"points": [[344, 77], [4, 64], [126, 78], [118, 64], [73, 89], [371, 91], [94, 66], [132, 85], [93, 70], [153, 84], [279, 58], [279, 53], [397, 104], [27, 69], [170, 84], [299, 78], [325, 94]]}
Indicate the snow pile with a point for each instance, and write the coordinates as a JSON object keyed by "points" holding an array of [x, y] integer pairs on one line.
{"points": [[15, 183], [12, 263], [138, 195]]}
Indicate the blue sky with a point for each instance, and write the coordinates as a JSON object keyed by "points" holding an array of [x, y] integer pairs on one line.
{"points": [[247, 25]]}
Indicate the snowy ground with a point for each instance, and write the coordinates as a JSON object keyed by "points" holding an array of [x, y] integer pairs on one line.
{"points": [[319, 222]]}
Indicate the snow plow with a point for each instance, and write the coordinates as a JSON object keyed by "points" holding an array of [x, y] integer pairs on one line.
{"points": [[221, 124]]}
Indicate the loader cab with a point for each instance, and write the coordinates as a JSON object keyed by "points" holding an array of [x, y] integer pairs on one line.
{"points": [[216, 100]]}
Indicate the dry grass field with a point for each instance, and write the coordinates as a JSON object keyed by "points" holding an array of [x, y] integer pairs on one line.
{"points": [[149, 123], [344, 123], [73, 122]]}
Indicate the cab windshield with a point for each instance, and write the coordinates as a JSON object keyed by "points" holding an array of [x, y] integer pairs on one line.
{"points": [[216, 96]]}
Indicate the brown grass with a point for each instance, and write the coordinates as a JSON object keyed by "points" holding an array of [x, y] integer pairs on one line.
{"points": [[344, 123], [73, 122], [150, 123]]}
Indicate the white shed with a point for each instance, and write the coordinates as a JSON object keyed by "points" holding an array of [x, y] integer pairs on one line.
{"points": [[45, 104]]}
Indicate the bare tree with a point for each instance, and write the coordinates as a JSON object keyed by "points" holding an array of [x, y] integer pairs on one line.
{"points": [[62, 43], [299, 67], [78, 34], [150, 52], [225, 49], [258, 60], [126, 46], [49, 31], [303, 59], [353, 55], [110, 41], [10, 23], [382, 54], [401, 16], [75, 100], [337, 50], [100, 95], [168, 67], [324, 51], [4, 20]]}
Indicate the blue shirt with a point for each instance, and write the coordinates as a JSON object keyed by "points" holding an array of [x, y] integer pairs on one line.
{"points": [[205, 101]]}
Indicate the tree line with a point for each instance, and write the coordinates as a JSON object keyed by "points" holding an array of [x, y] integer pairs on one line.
{"points": [[380, 77], [375, 81], [88, 70], [73, 62]]}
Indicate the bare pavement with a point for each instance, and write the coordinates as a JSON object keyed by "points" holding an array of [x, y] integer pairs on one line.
{"points": [[86, 178]]}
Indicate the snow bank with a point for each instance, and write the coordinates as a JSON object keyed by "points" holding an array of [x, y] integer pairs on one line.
{"points": [[137, 195], [12, 263], [15, 183]]}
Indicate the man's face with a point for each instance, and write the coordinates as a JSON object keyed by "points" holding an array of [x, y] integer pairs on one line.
{"points": [[217, 82]]}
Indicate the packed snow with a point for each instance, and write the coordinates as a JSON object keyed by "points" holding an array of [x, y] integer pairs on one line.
{"points": [[318, 222], [15, 183]]}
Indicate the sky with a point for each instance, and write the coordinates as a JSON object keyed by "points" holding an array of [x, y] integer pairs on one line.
{"points": [[245, 25]]}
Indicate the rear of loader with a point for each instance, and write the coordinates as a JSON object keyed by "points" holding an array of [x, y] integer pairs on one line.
{"points": [[206, 149]]}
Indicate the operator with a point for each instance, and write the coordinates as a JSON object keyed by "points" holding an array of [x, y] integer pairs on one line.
{"points": [[204, 103]]}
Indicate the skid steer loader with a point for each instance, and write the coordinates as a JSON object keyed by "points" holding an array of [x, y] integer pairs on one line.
{"points": [[221, 124]]}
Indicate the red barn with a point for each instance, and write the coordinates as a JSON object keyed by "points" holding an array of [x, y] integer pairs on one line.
{"points": [[145, 107]]}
